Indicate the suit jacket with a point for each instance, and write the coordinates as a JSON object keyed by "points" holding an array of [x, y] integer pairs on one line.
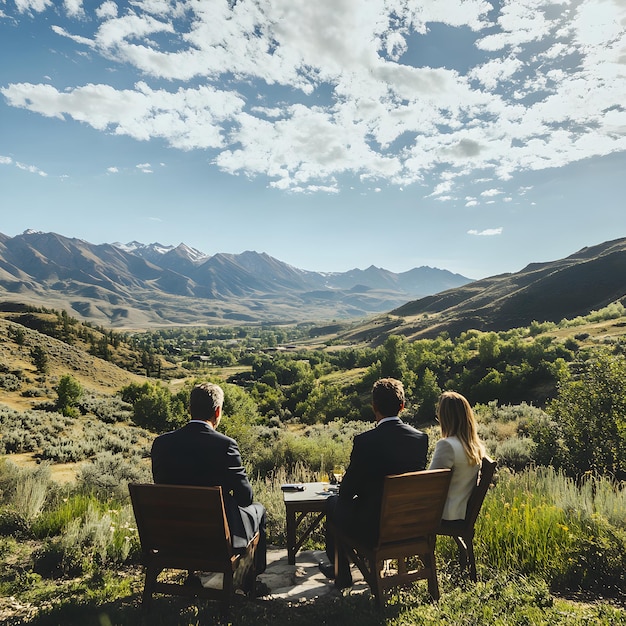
{"points": [[196, 454], [391, 448], [449, 453]]}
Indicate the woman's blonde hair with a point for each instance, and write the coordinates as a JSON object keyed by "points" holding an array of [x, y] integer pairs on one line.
{"points": [[457, 419]]}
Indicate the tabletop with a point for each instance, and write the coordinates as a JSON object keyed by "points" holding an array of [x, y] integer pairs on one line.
{"points": [[313, 492]]}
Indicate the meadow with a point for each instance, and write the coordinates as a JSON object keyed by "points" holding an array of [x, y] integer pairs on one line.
{"points": [[550, 548]]}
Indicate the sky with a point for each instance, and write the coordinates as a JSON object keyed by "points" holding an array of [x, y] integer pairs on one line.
{"points": [[469, 135]]}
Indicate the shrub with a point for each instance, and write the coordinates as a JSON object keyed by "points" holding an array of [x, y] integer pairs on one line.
{"points": [[547, 435], [10, 382], [30, 492], [596, 559], [95, 539], [318, 447], [60, 511], [13, 523], [591, 410], [516, 453], [51, 561], [107, 409], [68, 451], [109, 474], [34, 392], [69, 392]]}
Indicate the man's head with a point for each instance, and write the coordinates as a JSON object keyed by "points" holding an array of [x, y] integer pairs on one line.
{"points": [[387, 397], [205, 402]]}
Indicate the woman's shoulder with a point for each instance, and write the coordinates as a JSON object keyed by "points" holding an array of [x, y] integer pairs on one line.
{"points": [[443, 442], [452, 445], [451, 442]]}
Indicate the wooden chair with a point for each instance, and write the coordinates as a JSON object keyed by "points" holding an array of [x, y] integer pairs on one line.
{"points": [[183, 527], [411, 510], [462, 531]]}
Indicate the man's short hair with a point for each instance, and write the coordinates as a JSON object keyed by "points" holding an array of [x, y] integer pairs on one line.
{"points": [[388, 396], [204, 400]]}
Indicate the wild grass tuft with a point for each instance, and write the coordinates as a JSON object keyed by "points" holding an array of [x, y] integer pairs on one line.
{"points": [[267, 490], [541, 523]]}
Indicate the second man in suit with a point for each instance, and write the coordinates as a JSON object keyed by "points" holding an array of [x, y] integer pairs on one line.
{"points": [[392, 447]]}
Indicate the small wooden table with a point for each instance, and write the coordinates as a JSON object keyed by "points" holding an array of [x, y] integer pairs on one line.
{"points": [[297, 505]]}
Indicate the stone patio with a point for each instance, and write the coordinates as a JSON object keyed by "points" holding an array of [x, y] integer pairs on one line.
{"points": [[302, 581]]}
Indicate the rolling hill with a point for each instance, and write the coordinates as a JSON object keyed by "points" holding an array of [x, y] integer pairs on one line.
{"points": [[585, 281]]}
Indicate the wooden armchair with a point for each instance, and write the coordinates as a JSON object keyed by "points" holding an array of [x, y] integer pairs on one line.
{"points": [[185, 528], [462, 531], [411, 511]]}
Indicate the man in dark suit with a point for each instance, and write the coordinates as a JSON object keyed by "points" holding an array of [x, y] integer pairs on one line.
{"points": [[197, 454], [392, 447]]}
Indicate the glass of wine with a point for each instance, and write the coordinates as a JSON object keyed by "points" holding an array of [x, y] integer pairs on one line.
{"points": [[337, 474]]}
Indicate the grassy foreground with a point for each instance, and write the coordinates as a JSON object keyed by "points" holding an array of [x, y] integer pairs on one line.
{"points": [[69, 556], [500, 599]]}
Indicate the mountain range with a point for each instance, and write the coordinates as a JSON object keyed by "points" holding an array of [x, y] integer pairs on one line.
{"points": [[586, 281], [140, 285]]}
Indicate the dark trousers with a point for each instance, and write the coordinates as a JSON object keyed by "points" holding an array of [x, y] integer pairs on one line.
{"points": [[254, 518], [342, 516]]}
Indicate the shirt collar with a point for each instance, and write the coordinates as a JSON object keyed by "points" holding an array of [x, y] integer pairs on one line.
{"points": [[389, 419], [201, 422]]}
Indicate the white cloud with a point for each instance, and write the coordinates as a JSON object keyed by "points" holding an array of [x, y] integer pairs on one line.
{"points": [[63, 33], [488, 232], [488, 193], [304, 92], [497, 71], [107, 10], [33, 169], [30, 168], [32, 5], [74, 7], [145, 168], [187, 118], [113, 170]]}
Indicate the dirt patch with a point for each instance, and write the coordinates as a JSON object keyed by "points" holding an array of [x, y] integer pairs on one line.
{"points": [[62, 473]]}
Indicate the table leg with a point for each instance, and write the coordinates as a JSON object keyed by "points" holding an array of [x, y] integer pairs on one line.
{"points": [[291, 536]]}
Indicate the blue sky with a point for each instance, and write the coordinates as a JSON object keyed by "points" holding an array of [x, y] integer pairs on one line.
{"points": [[462, 134]]}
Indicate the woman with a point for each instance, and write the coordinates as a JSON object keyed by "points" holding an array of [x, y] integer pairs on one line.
{"points": [[460, 449]]}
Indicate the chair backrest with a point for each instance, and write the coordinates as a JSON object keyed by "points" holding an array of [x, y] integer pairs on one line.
{"points": [[181, 520], [412, 504], [475, 502]]}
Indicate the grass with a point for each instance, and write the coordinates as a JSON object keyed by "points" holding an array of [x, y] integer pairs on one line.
{"points": [[500, 600], [541, 523], [539, 534]]}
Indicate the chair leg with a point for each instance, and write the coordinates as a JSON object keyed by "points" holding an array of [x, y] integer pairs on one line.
{"points": [[377, 587], [470, 557], [433, 584], [148, 587], [228, 585], [463, 552], [225, 609], [402, 569]]}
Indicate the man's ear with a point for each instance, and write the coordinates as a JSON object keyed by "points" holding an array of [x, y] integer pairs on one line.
{"points": [[218, 412]]}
